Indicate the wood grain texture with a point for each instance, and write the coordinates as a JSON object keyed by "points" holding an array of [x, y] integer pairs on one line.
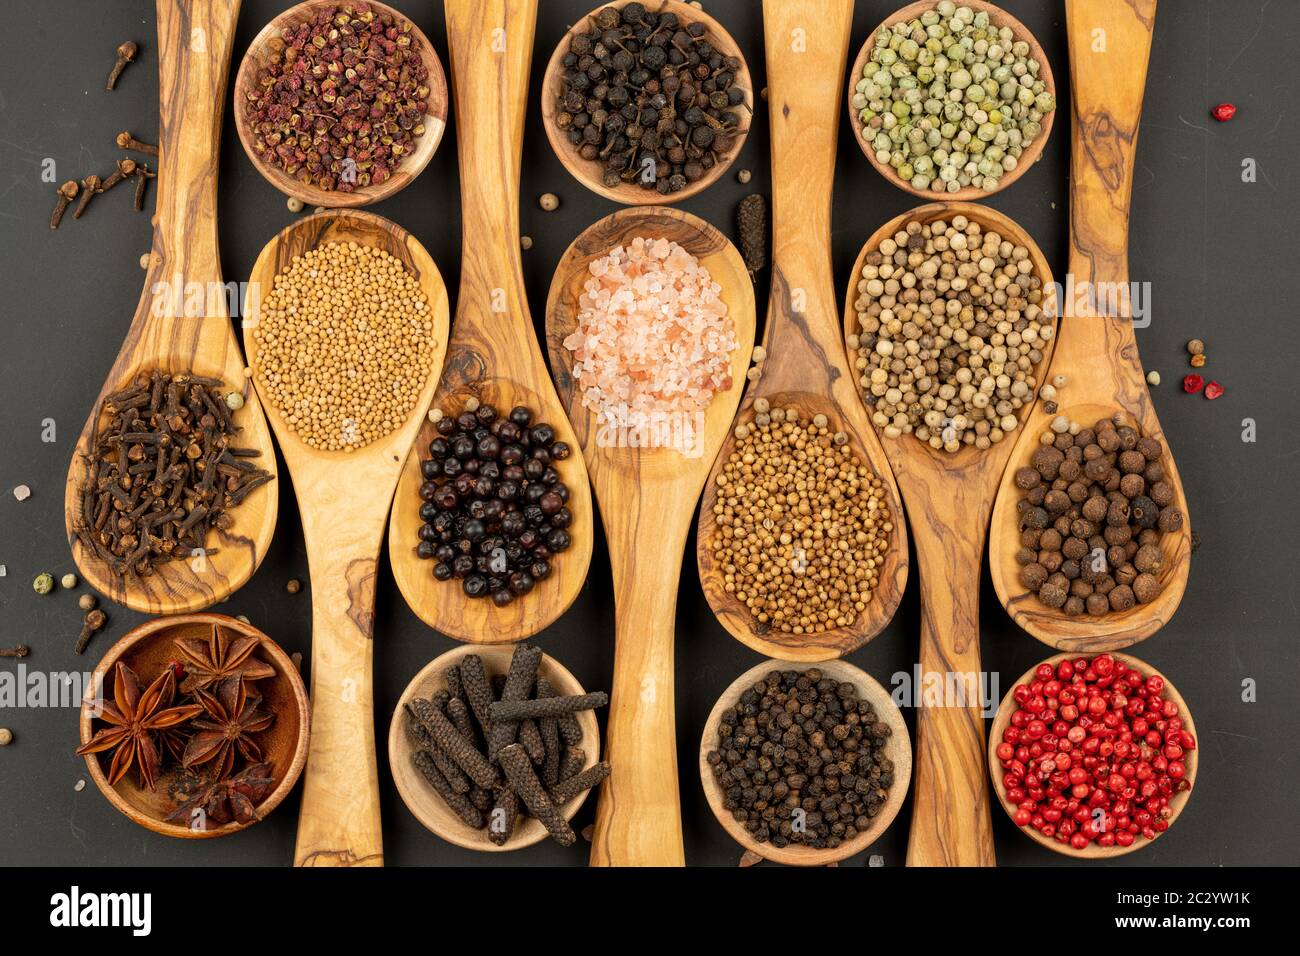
{"points": [[898, 748], [494, 355], [949, 498], [998, 18], [192, 79], [647, 497], [344, 499], [806, 367], [1192, 760], [429, 808], [259, 55], [590, 173], [1097, 352], [148, 649]]}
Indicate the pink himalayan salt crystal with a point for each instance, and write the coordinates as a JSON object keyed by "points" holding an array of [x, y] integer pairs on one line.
{"points": [[653, 339]]}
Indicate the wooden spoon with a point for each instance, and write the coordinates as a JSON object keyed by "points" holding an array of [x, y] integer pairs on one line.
{"points": [[494, 356], [806, 368], [1098, 352], [647, 497], [949, 497], [185, 258], [343, 498]]}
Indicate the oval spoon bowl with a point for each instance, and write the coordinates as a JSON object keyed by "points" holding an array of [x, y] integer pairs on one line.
{"points": [[147, 650], [898, 748], [258, 57], [1084, 633], [892, 575], [425, 805], [589, 172], [997, 17], [1092, 851]]}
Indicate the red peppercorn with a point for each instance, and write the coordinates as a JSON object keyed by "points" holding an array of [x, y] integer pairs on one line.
{"points": [[1193, 383], [1213, 391], [1224, 112]]}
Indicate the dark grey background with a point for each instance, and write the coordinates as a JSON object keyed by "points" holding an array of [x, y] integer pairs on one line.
{"points": [[1221, 256]]}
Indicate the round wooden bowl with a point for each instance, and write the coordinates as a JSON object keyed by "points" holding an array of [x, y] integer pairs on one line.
{"points": [[990, 220], [997, 17], [258, 57], [147, 650], [898, 749], [1192, 760], [1084, 633], [589, 173], [425, 804]]}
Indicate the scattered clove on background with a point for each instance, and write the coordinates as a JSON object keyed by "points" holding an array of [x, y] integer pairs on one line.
{"points": [[125, 54]]}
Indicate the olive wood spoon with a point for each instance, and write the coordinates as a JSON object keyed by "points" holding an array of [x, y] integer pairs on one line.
{"points": [[192, 79], [949, 497], [1098, 353], [807, 47], [343, 499], [494, 355], [647, 499]]}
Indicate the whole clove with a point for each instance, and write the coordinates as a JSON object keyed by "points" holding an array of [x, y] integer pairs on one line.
{"points": [[161, 473], [458, 802], [67, 193], [21, 650], [125, 54], [563, 792], [142, 177], [89, 186], [519, 771], [125, 168], [95, 621], [751, 228], [126, 141], [504, 711]]}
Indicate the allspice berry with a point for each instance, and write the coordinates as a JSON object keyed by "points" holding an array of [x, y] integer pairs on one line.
{"points": [[1195, 347]]}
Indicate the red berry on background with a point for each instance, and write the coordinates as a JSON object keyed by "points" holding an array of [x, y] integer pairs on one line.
{"points": [[1224, 112], [1213, 391], [1192, 383]]}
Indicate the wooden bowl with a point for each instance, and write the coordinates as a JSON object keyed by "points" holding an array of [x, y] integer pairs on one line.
{"points": [[259, 56], [1092, 851], [425, 805], [147, 650], [898, 749], [1083, 633], [589, 173], [997, 17]]}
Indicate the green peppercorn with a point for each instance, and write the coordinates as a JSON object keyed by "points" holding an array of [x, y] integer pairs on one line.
{"points": [[44, 583]]}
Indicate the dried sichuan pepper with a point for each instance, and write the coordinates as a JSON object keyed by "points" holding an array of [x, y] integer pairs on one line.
{"points": [[342, 99]]}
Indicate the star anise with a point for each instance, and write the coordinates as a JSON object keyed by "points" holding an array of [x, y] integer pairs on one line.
{"points": [[235, 798], [211, 661], [231, 717], [135, 721]]}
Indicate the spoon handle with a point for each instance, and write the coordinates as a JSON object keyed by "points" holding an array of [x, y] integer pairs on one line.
{"points": [[951, 824], [1110, 45], [194, 46], [339, 823], [639, 816], [807, 48], [491, 45]]}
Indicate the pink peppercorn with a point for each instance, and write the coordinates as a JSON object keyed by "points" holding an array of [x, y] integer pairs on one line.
{"points": [[1224, 112]]}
